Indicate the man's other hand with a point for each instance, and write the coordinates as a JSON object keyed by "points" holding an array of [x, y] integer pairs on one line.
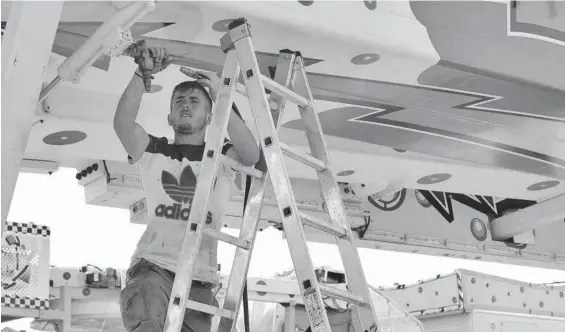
{"points": [[211, 81]]}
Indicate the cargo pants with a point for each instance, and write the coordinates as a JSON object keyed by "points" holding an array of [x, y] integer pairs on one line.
{"points": [[145, 299]]}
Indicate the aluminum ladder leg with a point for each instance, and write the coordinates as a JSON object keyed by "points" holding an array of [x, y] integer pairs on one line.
{"points": [[359, 295]]}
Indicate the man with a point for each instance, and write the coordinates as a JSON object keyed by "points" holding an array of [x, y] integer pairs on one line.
{"points": [[169, 173]]}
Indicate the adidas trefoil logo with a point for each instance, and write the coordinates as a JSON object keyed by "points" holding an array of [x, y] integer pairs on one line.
{"points": [[182, 193]]}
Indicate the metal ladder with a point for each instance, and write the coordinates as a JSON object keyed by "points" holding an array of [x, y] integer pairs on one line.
{"points": [[290, 71]]}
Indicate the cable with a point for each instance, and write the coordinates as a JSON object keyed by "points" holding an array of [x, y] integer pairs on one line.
{"points": [[96, 267], [361, 230], [108, 178], [245, 300]]}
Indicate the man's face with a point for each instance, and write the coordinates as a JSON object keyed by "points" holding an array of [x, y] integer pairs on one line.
{"points": [[190, 111]]}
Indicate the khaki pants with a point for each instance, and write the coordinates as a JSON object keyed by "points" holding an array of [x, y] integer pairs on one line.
{"points": [[145, 300]]}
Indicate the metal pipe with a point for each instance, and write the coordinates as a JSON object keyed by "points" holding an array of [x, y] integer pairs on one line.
{"points": [[290, 317], [26, 47], [341, 295], [46, 91], [533, 217]]}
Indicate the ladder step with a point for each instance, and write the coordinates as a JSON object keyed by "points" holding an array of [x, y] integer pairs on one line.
{"points": [[303, 158], [241, 168], [281, 90], [209, 309], [341, 294], [322, 225], [227, 238]]}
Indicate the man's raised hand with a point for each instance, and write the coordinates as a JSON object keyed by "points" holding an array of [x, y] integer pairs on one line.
{"points": [[160, 57], [149, 59], [210, 80]]}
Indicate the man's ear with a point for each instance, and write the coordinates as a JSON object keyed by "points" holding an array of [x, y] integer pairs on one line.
{"points": [[170, 119], [209, 118]]}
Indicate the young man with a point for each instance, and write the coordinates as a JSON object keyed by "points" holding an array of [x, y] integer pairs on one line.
{"points": [[169, 174]]}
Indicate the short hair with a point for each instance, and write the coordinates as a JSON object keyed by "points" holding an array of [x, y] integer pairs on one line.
{"points": [[188, 86]]}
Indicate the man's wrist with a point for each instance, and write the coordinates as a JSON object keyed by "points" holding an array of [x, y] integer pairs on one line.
{"points": [[137, 73]]}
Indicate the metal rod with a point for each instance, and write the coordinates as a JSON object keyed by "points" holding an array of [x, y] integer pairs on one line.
{"points": [[281, 90], [534, 217], [209, 309], [227, 238], [46, 91], [247, 170], [341, 295], [322, 225], [303, 158]]}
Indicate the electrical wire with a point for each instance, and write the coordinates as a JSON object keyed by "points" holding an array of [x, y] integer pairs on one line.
{"points": [[108, 177]]}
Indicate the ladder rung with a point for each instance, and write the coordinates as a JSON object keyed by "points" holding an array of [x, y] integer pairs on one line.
{"points": [[209, 309], [341, 295], [322, 225], [303, 158], [227, 238], [281, 90], [241, 168]]}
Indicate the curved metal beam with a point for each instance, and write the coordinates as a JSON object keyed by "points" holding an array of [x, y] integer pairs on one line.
{"points": [[533, 217]]}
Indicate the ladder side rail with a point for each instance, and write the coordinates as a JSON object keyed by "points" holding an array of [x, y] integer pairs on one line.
{"points": [[352, 263], [199, 206], [252, 213], [281, 184]]}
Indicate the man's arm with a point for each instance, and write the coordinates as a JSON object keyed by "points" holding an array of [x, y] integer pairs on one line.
{"points": [[133, 137], [245, 148]]}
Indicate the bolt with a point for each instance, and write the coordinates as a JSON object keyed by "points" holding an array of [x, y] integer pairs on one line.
{"points": [[541, 304], [493, 299], [473, 280], [492, 326], [420, 290]]}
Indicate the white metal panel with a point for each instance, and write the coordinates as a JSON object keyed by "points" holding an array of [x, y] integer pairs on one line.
{"points": [[435, 296], [495, 293], [455, 323], [483, 321]]}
